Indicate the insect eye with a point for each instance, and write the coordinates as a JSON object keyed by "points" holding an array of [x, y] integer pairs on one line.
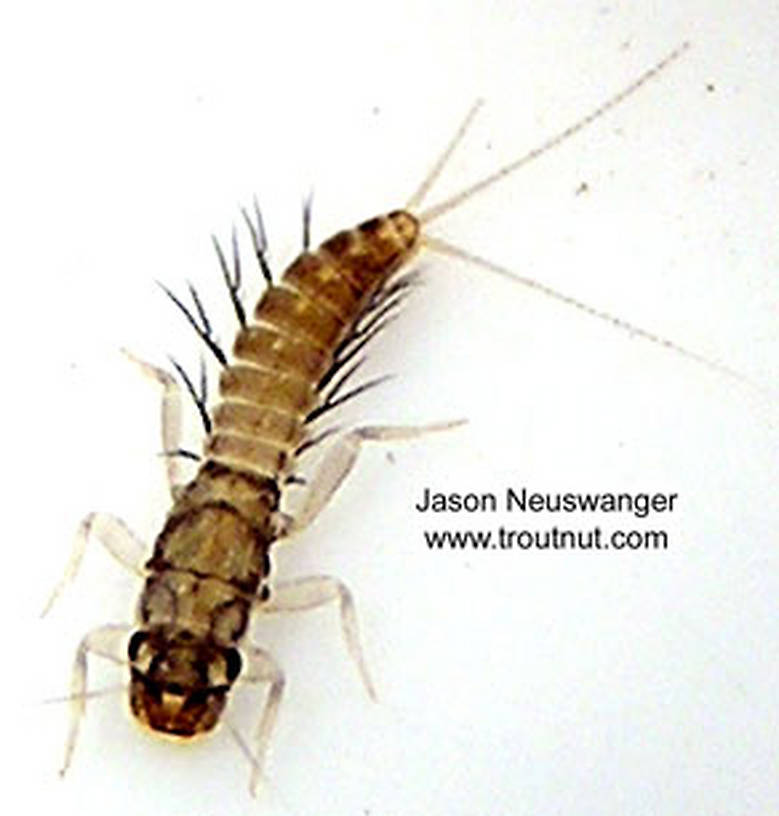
{"points": [[136, 641], [234, 664]]}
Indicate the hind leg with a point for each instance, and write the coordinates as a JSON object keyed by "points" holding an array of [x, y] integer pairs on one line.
{"points": [[339, 461], [170, 411]]}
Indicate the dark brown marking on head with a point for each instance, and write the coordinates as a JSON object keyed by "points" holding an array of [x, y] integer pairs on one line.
{"points": [[234, 664], [136, 641], [229, 621], [180, 686]]}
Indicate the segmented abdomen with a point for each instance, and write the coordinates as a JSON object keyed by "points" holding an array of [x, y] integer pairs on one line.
{"points": [[211, 560], [271, 388]]}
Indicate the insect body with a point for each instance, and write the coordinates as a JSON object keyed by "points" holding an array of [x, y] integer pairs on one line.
{"points": [[210, 566], [211, 560]]}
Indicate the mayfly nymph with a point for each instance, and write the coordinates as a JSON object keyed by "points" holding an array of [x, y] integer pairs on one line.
{"points": [[210, 566]]}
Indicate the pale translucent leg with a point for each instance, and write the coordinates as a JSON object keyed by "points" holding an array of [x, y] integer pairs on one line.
{"points": [[106, 641], [262, 668], [339, 461], [317, 590], [171, 419], [114, 535]]}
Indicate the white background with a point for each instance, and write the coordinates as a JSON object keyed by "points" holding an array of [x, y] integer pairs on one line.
{"points": [[509, 682]]}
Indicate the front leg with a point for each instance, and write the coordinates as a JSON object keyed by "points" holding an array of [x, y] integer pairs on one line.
{"points": [[309, 593]]}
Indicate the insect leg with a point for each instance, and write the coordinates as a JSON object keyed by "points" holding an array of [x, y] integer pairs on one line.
{"points": [[317, 590], [106, 641], [114, 535], [263, 669], [339, 461], [171, 420]]}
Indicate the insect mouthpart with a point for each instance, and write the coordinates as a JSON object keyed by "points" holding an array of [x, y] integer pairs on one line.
{"points": [[180, 688], [182, 712]]}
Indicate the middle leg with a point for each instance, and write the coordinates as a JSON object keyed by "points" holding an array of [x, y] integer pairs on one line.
{"points": [[120, 541]]}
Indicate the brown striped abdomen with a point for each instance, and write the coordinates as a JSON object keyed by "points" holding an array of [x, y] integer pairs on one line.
{"points": [[270, 389]]}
